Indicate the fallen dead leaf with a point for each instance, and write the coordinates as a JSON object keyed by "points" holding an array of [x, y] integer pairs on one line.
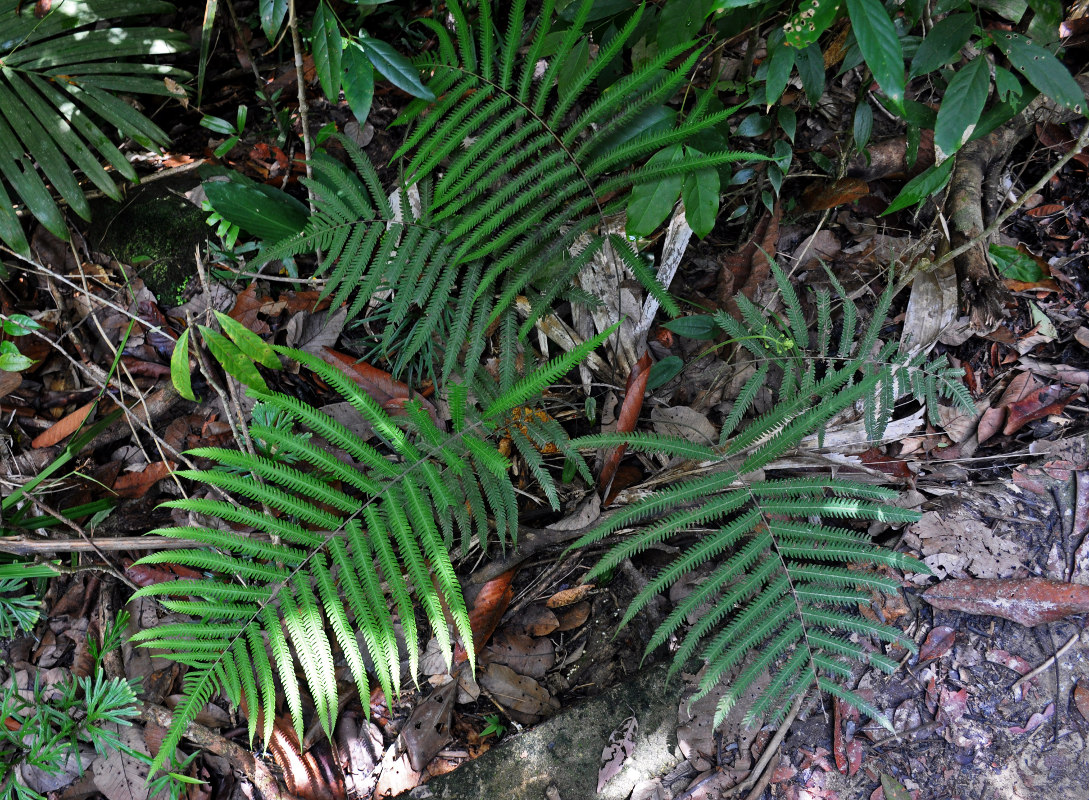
{"points": [[489, 606], [63, 427], [626, 419], [1081, 700], [1035, 721], [566, 597], [1029, 601], [525, 699], [937, 644], [136, 484], [620, 747], [1041, 403]]}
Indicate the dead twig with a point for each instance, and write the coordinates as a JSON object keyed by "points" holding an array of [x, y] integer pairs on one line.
{"points": [[1054, 659]]}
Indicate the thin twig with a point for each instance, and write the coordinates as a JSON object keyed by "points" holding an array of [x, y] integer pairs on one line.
{"points": [[304, 110], [1043, 667]]}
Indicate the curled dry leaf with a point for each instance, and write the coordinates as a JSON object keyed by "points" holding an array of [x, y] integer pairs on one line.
{"points": [[1030, 601], [1035, 721], [1081, 699], [136, 484], [567, 597], [1041, 403]]}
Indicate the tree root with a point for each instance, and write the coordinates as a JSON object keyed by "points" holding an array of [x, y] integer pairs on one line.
{"points": [[972, 194]]}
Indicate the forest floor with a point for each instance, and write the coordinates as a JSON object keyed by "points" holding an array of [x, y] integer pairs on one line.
{"points": [[995, 704]]}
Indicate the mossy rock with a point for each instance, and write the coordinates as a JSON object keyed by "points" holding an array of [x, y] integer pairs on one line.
{"points": [[154, 230]]}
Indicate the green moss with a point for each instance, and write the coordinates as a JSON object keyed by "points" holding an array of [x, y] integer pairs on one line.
{"points": [[155, 231]]}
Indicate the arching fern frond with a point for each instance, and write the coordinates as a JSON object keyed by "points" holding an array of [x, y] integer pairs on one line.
{"points": [[778, 597], [522, 169]]}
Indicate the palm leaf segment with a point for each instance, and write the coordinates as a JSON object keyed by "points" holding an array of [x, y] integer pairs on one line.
{"points": [[59, 78], [513, 169], [785, 574], [337, 541]]}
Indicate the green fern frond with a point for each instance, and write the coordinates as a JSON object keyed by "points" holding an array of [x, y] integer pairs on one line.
{"points": [[780, 600]]}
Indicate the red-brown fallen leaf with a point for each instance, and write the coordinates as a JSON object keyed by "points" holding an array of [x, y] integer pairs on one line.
{"points": [[745, 271], [1009, 660], [626, 419], [490, 605], [1081, 504], [824, 195], [937, 643], [136, 484], [63, 427], [1041, 403], [1081, 699], [1050, 210], [246, 306], [151, 574], [784, 772], [840, 745], [534, 620], [854, 757], [1027, 601], [1035, 721], [380, 385], [952, 706]]}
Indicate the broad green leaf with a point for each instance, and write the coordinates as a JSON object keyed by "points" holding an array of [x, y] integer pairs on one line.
{"points": [[812, 18], [1012, 263], [880, 46], [11, 228], [681, 21], [863, 124], [696, 326], [234, 362], [652, 202], [788, 121], [180, 375], [700, 192], [962, 105], [259, 210], [576, 61], [395, 68], [1042, 69], [273, 14], [11, 360], [664, 371], [358, 82], [20, 325], [251, 345], [942, 44], [328, 48], [780, 65], [922, 186], [754, 125], [810, 65], [1006, 84]]}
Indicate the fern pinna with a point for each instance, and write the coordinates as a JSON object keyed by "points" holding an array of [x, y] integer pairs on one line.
{"points": [[335, 540], [780, 596], [513, 171]]}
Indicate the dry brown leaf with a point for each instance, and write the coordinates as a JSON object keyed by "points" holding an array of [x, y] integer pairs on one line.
{"points": [[383, 389], [534, 620], [626, 419], [937, 644], [574, 616], [524, 654], [524, 698], [63, 427], [1081, 700], [489, 606], [566, 597], [136, 484], [1039, 404], [427, 729], [1030, 601]]}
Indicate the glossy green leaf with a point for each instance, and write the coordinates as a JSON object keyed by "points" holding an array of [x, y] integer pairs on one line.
{"points": [[695, 326], [664, 371], [259, 210], [1042, 70], [863, 125], [180, 374], [652, 202], [273, 14], [234, 362], [11, 360], [251, 345], [810, 65], [1012, 263], [942, 44], [922, 186], [19, 325], [700, 192], [327, 49], [358, 82], [788, 121], [780, 65], [962, 106], [395, 68], [880, 46]]}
